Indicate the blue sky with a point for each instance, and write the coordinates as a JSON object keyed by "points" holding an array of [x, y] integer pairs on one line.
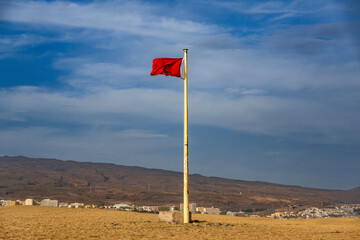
{"points": [[273, 86]]}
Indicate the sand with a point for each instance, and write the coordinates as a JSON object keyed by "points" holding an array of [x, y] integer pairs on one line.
{"points": [[31, 222]]}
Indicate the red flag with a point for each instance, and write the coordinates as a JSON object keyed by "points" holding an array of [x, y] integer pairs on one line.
{"points": [[166, 66]]}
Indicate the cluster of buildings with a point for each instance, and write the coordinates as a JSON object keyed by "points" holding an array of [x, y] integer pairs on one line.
{"points": [[203, 210], [44, 203], [348, 210], [341, 211], [155, 209], [119, 206], [30, 202]]}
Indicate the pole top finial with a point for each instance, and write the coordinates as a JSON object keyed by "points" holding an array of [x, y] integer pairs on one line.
{"points": [[185, 49]]}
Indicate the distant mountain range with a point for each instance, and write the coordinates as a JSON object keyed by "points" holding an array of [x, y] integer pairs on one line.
{"points": [[104, 183]]}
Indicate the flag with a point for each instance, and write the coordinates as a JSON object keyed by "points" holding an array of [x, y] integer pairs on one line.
{"points": [[166, 66]]}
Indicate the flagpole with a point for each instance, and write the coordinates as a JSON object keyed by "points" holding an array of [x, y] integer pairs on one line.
{"points": [[186, 146]]}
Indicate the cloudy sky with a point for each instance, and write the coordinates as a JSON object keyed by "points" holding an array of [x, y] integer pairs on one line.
{"points": [[274, 86]]}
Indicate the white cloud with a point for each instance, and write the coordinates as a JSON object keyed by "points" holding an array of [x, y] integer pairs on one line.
{"points": [[283, 9], [263, 69], [88, 73], [12, 43], [124, 17], [269, 115], [21, 40]]}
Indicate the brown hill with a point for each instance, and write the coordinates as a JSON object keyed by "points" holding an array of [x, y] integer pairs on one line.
{"points": [[104, 183]]}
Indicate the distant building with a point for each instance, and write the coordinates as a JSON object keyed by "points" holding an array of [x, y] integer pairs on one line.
{"points": [[347, 209], [212, 210], [90, 206], [148, 208], [49, 203], [29, 202], [192, 207], [239, 214], [121, 206], [63, 204], [77, 205], [282, 215], [200, 210], [5, 202]]}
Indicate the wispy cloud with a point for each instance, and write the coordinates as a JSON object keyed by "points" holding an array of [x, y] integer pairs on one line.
{"points": [[11, 43], [258, 114], [279, 9], [89, 73], [124, 17]]}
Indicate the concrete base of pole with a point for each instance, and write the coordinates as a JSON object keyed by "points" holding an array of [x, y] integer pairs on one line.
{"points": [[172, 216]]}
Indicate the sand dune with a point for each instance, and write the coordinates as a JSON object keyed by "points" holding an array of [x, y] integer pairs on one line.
{"points": [[26, 222]]}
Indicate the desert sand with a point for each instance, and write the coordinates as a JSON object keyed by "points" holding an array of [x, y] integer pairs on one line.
{"points": [[32, 222]]}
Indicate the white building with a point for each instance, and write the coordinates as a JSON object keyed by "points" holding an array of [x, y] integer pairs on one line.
{"points": [[212, 210], [5, 202], [239, 214], [148, 208], [76, 205], [49, 203], [29, 202], [63, 204], [121, 206]]}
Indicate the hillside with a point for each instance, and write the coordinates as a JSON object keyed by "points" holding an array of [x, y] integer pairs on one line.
{"points": [[104, 183]]}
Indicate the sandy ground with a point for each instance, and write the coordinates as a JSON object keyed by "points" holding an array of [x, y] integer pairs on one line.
{"points": [[27, 222]]}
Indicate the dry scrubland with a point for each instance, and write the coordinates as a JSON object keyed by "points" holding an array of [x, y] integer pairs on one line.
{"points": [[25, 222]]}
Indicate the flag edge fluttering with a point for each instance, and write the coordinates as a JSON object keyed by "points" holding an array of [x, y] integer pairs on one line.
{"points": [[167, 67]]}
